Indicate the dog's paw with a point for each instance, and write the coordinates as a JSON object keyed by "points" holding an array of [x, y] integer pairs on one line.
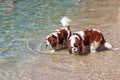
{"points": [[52, 51]]}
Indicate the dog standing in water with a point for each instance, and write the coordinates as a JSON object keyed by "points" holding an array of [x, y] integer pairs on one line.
{"points": [[90, 37], [58, 39]]}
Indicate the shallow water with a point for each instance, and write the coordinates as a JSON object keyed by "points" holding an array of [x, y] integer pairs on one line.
{"points": [[24, 25]]}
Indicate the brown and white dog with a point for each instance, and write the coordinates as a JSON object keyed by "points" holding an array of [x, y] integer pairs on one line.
{"points": [[58, 39], [90, 37]]}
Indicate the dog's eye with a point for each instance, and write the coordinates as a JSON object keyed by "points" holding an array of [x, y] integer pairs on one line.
{"points": [[53, 40]]}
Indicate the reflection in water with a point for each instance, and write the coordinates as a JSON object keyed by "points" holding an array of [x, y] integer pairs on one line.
{"points": [[22, 32]]}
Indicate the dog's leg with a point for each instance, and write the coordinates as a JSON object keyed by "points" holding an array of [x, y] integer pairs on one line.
{"points": [[94, 46], [92, 49]]}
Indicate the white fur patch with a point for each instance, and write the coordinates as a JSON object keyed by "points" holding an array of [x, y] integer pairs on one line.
{"points": [[96, 30], [48, 36], [68, 31], [72, 38], [47, 42], [108, 45], [72, 42], [55, 34], [81, 33], [65, 21], [94, 46]]}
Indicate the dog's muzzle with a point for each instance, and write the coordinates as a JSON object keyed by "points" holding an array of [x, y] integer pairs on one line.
{"points": [[47, 44], [74, 50]]}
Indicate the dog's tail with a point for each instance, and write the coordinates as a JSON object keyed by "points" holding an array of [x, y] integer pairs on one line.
{"points": [[110, 47], [65, 21]]}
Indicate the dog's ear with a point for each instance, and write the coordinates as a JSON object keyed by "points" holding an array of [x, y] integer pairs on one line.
{"points": [[80, 47], [53, 42], [69, 46]]}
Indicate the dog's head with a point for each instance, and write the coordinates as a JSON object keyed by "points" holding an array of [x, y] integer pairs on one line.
{"points": [[51, 40], [74, 45]]}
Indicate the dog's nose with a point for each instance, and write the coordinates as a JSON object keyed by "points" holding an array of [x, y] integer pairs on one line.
{"points": [[47, 43], [46, 46], [74, 49]]}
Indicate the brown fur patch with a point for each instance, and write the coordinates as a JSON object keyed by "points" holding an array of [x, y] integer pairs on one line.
{"points": [[52, 40]]}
